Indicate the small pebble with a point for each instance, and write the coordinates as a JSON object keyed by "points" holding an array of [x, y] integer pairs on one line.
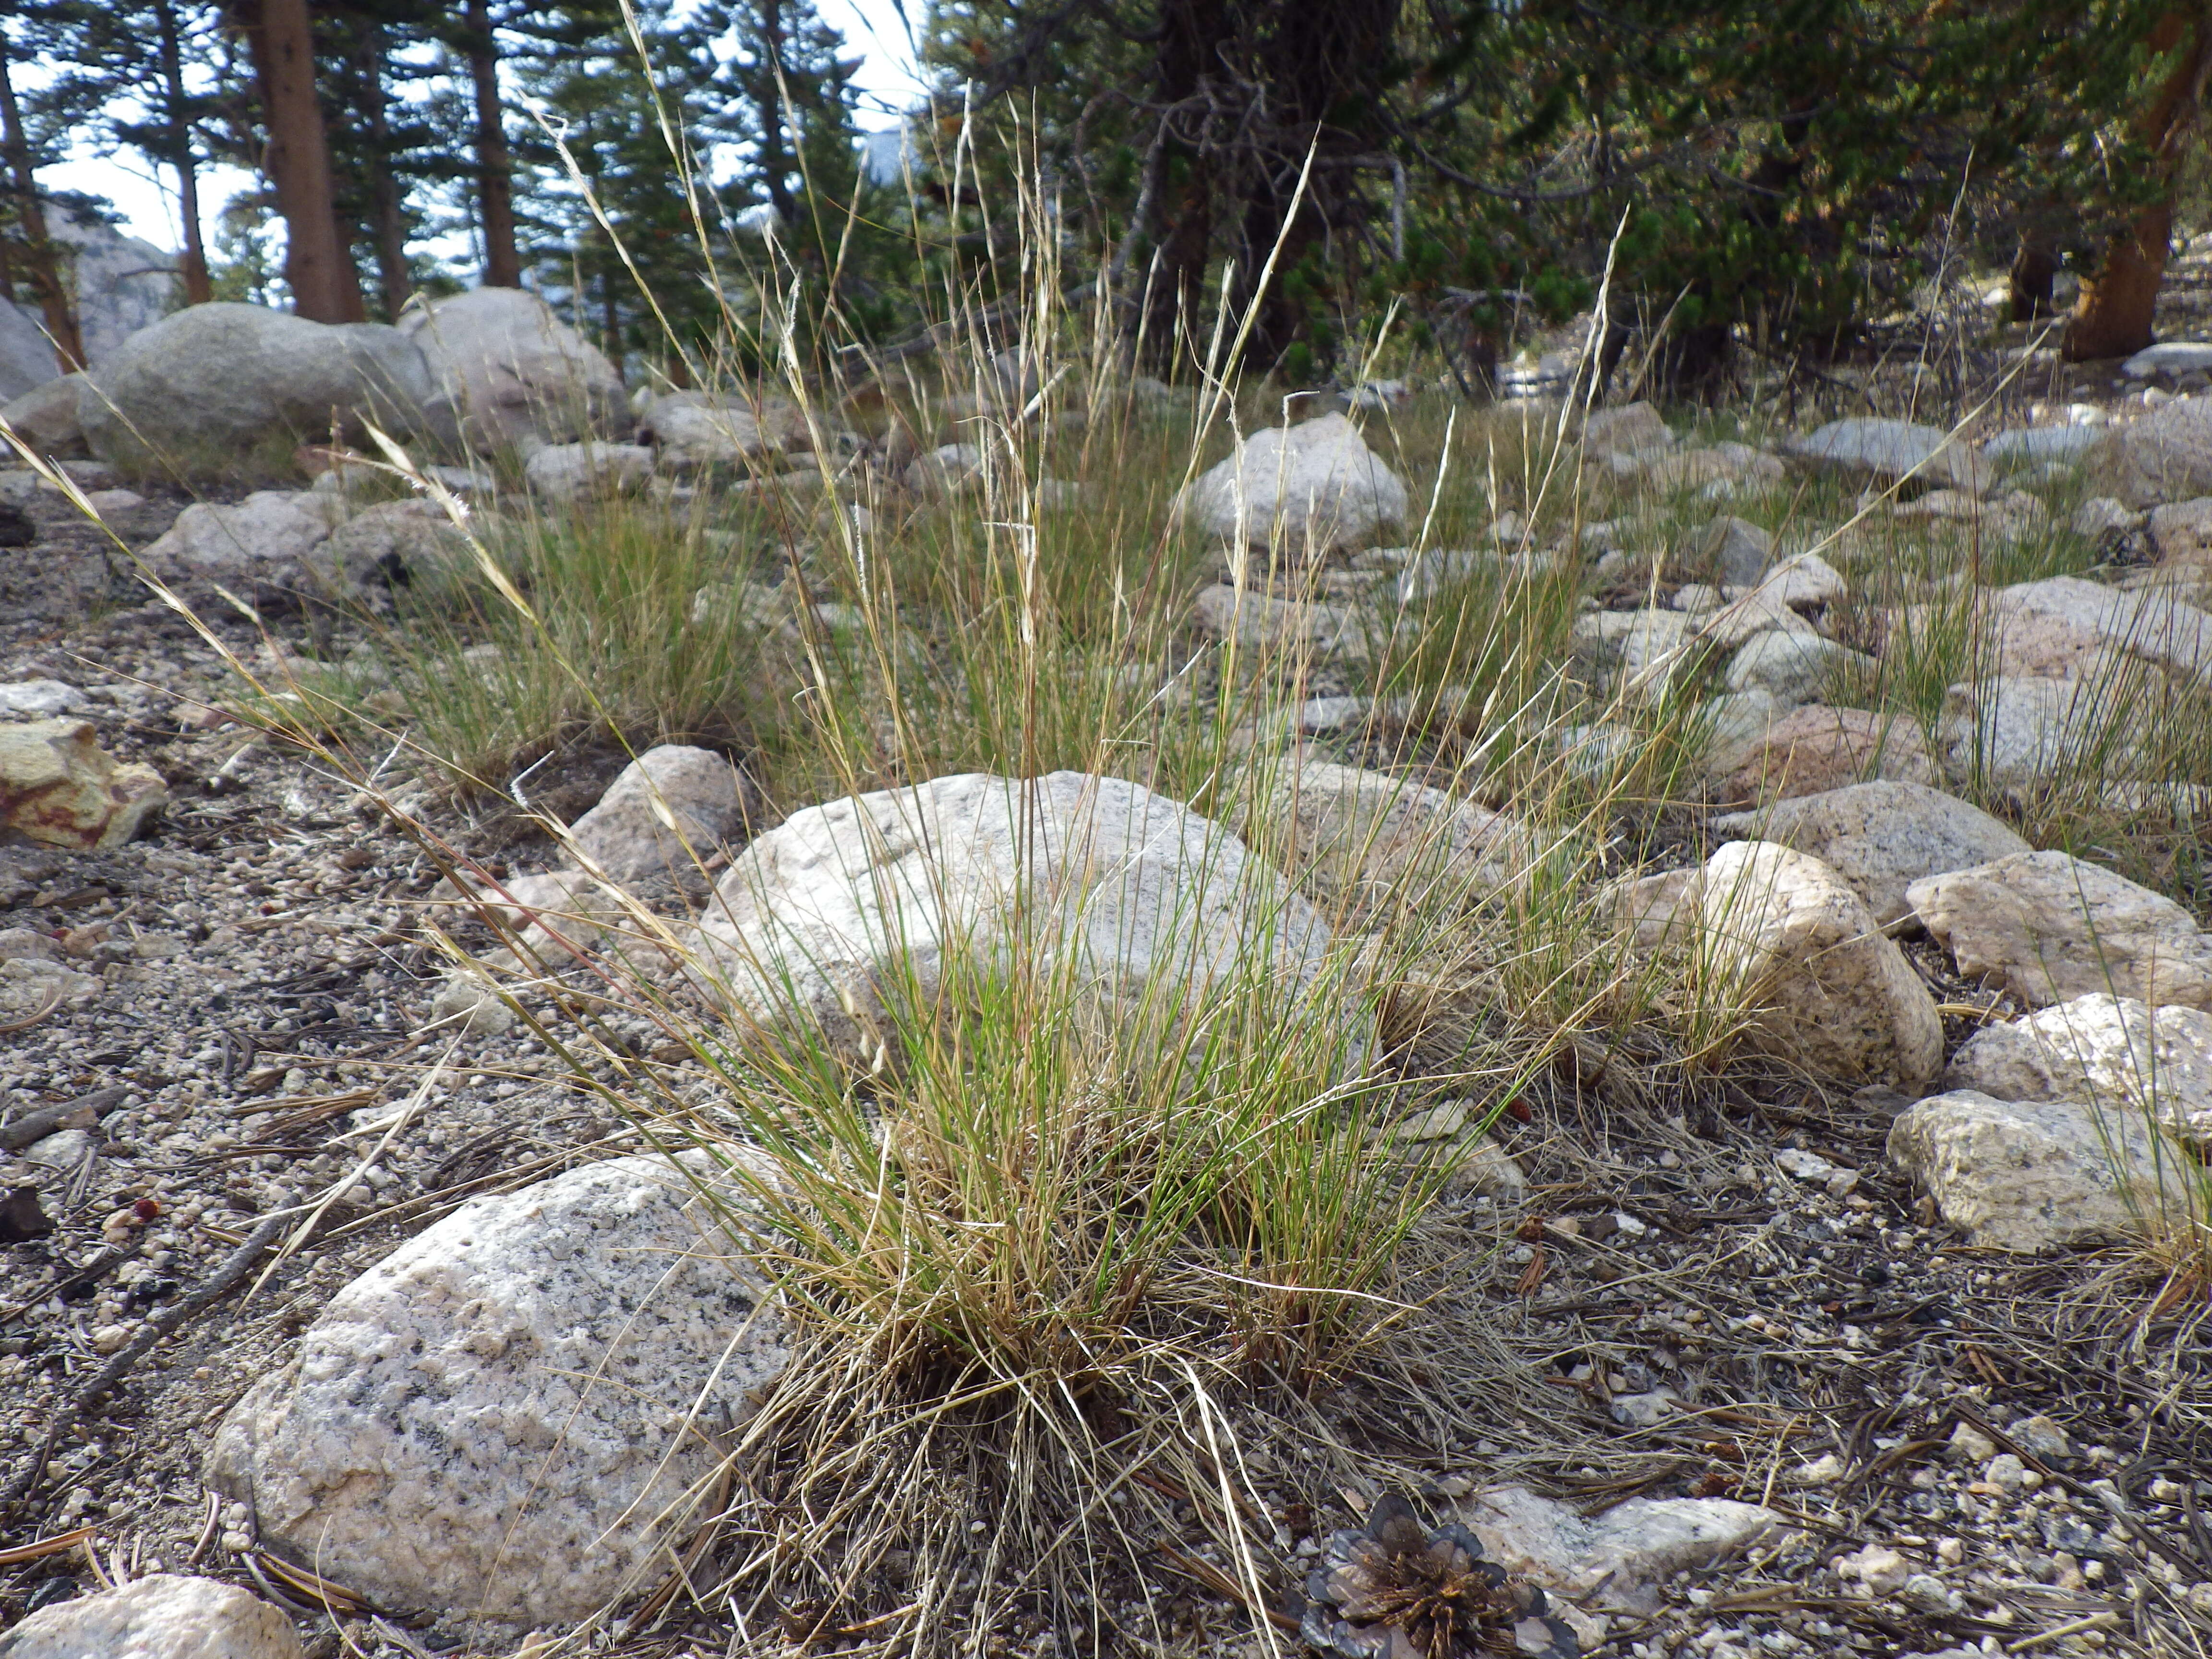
{"points": [[1924, 1593], [2042, 1439], [1970, 1445]]}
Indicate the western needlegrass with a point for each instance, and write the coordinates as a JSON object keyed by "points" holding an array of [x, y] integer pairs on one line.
{"points": [[1053, 1261]]}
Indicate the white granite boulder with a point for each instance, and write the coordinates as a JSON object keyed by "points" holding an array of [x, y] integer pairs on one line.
{"points": [[894, 900], [1636, 429], [1653, 911], [1804, 583], [2182, 531], [495, 1420], [553, 909], [2165, 457], [393, 543], [1354, 826], [1718, 471], [2101, 518], [671, 807], [2017, 731], [1316, 485], [164, 1615], [1618, 1561], [118, 286], [1790, 667], [514, 374], [2114, 1053], [45, 417], [1733, 726], [1815, 749], [2154, 625], [2017, 644], [1880, 837], [692, 429], [1293, 626], [39, 699], [572, 472], [1785, 938], [223, 378], [1870, 449], [2042, 445], [2047, 927], [229, 543], [1641, 652], [2028, 1176], [946, 471], [1733, 552], [2170, 359]]}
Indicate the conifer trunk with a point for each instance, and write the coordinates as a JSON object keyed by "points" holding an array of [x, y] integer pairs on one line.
{"points": [[41, 258], [317, 265], [1192, 35], [502, 262], [2034, 271], [775, 159], [2113, 317], [387, 220], [199, 287]]}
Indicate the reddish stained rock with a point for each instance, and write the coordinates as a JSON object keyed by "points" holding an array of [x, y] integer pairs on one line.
{"points": [[57, 785], [1815, 749]]}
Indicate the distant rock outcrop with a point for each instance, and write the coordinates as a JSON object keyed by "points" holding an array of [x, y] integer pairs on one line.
{"points": [[121, 283]]}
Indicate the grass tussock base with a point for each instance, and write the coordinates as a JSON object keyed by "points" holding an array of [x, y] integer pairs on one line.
{"points": [[1060, 1273]]}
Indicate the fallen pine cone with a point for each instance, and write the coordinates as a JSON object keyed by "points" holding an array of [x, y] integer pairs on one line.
{"points": [[1394, 1590]]}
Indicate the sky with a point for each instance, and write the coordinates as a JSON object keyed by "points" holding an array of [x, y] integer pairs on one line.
{"points": [[873, 29]]}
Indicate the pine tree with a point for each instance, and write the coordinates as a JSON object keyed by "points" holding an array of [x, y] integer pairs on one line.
{"points": [[608, 217], [389, 154], [26, 248], [478, 44], [318, 266], [788, 87], [140, 75], [1784, 166]]}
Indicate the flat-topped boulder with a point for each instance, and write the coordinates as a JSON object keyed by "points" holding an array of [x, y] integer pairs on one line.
{"points": [[2029, 1175], [1870, 449], [2047, 927], [2167, 456], [2114, 1053], [212, 380]]}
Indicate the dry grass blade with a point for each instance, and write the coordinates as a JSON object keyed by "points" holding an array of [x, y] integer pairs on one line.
{"points": [[1225, 1587], [38, 1549], [38, 1015], [311, 1588]]}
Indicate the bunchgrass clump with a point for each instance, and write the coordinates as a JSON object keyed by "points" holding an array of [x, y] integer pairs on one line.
{"points": [[631, 631]]}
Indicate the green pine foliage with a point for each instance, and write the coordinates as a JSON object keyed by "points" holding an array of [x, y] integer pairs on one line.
{"points": [[1791, 168]]}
